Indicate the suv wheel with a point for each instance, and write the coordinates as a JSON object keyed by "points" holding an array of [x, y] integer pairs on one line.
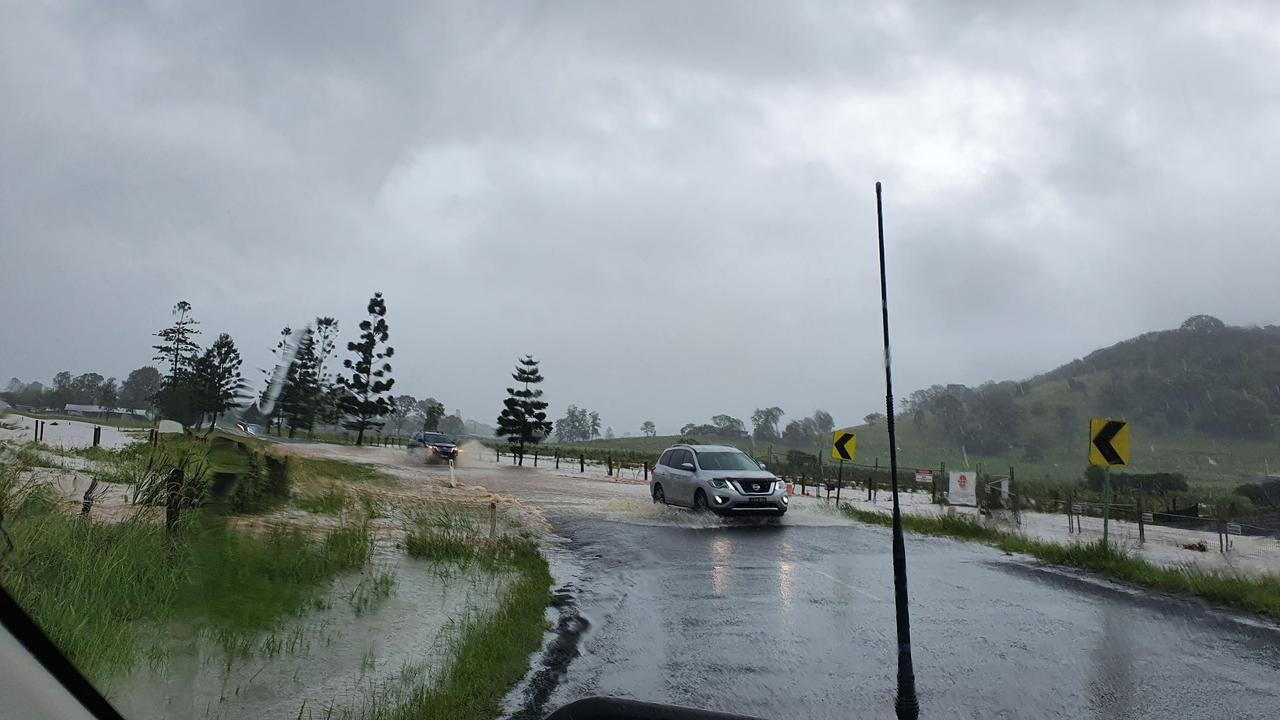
{"points": [[659, 497], [700, 501]]}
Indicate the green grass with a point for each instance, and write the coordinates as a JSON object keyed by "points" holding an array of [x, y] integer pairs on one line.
{"points": [[446, 535], [92, 585], [304, 470], [29, 454], [332, 501], [1259, 594], [490, 654], [1209, 463], [371, 591]]}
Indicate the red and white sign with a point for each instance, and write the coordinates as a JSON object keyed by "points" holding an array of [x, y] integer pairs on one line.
{"points": [[924, 476], [963, 489]]}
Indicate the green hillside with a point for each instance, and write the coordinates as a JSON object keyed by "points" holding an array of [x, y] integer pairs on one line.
{"points": [[1203, 400]]}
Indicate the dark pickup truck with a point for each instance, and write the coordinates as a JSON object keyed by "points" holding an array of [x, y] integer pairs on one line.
{"points": [[436, 446]]}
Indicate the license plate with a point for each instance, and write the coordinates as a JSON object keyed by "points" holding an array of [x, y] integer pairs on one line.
{"points": [[758, 501]]}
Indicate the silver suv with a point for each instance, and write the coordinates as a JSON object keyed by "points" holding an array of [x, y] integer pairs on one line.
{"points": [[722, 479]]}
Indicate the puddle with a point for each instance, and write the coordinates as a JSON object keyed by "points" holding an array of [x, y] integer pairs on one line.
{"points": [[362, 647]]}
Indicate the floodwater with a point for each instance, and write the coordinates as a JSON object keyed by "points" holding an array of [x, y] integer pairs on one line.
{"points": [[794, 617], [358, 650], [69, 434], [779, 618]]}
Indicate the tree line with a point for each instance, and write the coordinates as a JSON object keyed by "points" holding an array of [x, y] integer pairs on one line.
{"points": [[197, 385], [89, 388], [801, 432]]}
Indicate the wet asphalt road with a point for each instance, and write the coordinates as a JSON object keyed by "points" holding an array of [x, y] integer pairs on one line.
{"points": [[796, 621]]}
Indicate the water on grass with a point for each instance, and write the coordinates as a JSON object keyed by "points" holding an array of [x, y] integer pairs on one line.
{"points": [[375, 634]]}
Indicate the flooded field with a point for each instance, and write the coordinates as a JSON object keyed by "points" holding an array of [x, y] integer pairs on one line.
{"points": [[375, 636]]}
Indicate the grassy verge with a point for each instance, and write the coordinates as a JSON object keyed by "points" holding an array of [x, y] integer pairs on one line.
{"points": [[304, 470], [29, 454], [488, 654], [1256, 594], [330, 501], [92, 585], [491, 653]]}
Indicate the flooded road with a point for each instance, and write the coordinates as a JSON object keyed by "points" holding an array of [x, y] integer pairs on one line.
{"points": [[794, 619]]}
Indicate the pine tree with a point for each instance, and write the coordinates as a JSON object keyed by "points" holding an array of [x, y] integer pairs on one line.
{"points": [[524, 419], [366, 403], [301, 397], [177, 349], [326, 334], [269, 403], [177, 396], [217, 379]]}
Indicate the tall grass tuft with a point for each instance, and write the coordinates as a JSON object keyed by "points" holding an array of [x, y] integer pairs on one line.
{"points": [[90, 585], [332, 501]]}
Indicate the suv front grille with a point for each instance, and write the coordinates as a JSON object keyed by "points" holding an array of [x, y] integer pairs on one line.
{"points": [[754, 487]]}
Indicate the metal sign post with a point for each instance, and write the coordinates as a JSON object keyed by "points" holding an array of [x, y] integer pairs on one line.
{"points": [[1106, 504], [1108, 445]]}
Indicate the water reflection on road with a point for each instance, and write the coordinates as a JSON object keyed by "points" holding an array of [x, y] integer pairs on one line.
{"points": [[795, 620]]}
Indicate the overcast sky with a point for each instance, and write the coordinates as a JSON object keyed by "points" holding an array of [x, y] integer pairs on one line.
{"points": [[671, 204]]}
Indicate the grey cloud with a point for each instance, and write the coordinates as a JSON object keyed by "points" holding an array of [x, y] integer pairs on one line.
{"points": [[670, 203]]}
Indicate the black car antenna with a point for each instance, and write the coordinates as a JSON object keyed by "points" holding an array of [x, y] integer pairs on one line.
{"points": [[907, 707]]}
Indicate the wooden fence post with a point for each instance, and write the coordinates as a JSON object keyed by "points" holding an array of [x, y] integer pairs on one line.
{"points": [[1142, 529], [557, 459], [582, 463]]}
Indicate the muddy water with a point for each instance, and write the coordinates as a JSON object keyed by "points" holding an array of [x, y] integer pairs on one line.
{"points": [[69, 434], [343, 657]]}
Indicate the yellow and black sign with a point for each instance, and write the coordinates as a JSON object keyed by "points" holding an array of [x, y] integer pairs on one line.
{"points": [[844, 445], [1108, 442]]}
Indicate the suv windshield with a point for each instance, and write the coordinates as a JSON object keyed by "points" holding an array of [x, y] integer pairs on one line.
{"points": [[435, 438], [721, 460]]}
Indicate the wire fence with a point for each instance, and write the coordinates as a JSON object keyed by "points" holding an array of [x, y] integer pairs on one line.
{"points": [[998, 493]]}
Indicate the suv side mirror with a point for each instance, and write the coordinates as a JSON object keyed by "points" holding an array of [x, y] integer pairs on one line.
{"points": [[762, 466], [687, 466]]}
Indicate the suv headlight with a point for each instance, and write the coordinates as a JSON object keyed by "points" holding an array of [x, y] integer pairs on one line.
{"points": [[719, 483]]}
